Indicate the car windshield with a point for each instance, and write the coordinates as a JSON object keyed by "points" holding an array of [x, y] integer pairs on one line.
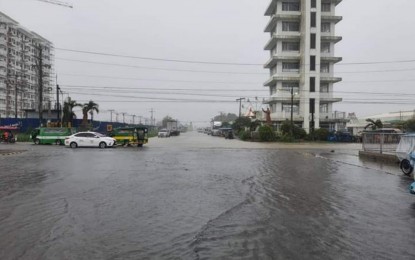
{"points": [[100, 135]]}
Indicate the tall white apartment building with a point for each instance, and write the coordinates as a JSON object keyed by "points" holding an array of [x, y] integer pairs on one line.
{"points": [[302, 61], [24, 55]]}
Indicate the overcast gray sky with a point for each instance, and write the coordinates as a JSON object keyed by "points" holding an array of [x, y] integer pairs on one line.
{"points": [[222, 31]]}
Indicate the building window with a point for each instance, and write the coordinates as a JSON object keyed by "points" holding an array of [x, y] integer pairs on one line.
{"points": [[325, 27], [313, 41], [324, 68], [313, 3], [291, 26], [291, 46], [325, 7], [291, 6], [312, 63], [324, 88], [313, 19], [291, 67], [312, 84], [325, 47]]}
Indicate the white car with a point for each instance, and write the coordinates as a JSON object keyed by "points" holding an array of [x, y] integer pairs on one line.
{"points": [[163, 133], [89, 139]]}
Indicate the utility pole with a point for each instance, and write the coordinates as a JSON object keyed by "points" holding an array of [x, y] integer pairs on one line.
{"points": [[152, 111], [58, 105], [133, 119], [111, 111], [15, 95], [40, 82], [240, 104], [140, 117]]}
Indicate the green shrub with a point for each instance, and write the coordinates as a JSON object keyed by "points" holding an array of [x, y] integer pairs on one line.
{"points": [[266, 134], [23, 137], [321, 134], [244, 135]]}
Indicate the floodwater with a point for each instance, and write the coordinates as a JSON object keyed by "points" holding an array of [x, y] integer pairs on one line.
{"points": [[202, 197]]}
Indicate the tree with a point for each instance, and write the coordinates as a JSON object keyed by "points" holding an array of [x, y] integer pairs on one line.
{"points": [[374, 124], [225, 117], [409, 125], [241, 123], [91, 106], [68, 114]]}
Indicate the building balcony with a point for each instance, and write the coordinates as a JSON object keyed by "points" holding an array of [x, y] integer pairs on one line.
{"points": [[271, 9], [293, 36], [286, 115], [294, 77], [284, 98], [331, 18], [325, 58], [328, 79], [336, 2], [294, 56], [328, 98], [329, 38], [289, 16]]}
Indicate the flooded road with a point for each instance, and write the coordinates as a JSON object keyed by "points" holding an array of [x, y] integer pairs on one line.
{"points": [[202, 197]]}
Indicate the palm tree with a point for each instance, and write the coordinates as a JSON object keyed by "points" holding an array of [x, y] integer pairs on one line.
{"points": [[374, 124], [68, 114], [89, 107]]}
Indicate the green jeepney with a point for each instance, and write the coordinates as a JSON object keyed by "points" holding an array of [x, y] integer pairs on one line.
{"points": [[135, 135], [51, 135]]}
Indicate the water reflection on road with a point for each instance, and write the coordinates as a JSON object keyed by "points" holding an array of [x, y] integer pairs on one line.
{"points": [[201, 197]]}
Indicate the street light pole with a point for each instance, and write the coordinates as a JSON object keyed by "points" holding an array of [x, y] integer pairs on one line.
{"points": [[240, 104]]}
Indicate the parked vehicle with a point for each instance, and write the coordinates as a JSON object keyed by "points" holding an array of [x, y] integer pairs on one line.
{"points": [[135, 135], [8, 133], [341, 136], [89, 139], [406, 153], [227, 132], [51, 135], [163, 133]]}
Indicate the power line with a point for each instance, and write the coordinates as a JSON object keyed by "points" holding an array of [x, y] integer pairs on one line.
{"points": [[163, 69], [161, 80], [159, 59], [216, 63]]}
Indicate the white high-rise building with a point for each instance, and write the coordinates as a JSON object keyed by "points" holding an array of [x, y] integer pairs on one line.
{"points": [[302, 61], [22, 54]]}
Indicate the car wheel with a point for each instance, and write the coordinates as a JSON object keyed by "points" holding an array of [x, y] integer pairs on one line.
{"points": [[102, 145], [37, 141], [406, 167], [58, 142], [73, 145]]}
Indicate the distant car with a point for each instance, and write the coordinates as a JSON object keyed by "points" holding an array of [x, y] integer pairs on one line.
{"points": [[163, 133], [89, 139]]}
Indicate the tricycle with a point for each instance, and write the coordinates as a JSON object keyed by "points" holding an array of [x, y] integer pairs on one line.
{"points": [[406, 154]]}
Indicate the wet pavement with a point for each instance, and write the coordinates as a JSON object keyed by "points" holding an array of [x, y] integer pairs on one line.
{"points": [[202, 197]]}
